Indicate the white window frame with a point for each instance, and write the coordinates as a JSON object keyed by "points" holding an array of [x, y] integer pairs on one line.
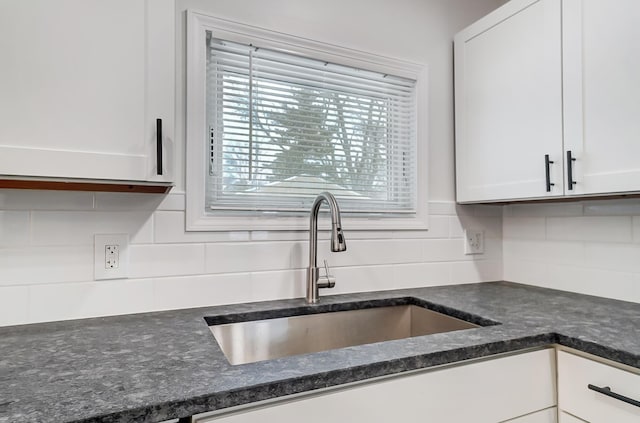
{"points": [[197, 217]]}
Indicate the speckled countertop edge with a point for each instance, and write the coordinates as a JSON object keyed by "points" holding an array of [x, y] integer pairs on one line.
{"points": [[156, 366]]}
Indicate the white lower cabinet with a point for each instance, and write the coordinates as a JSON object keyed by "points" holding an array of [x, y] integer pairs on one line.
{"points": [[543, 416], [575, 377], [491, 391], [568, 418]]}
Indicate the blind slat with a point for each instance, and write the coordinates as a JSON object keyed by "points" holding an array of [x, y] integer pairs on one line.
{"points": [[315, 126]]}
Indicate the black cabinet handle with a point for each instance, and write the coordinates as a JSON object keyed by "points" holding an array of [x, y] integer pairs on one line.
{"points": [[607, 391], [570, 160], [547, 162], [159, 145]]}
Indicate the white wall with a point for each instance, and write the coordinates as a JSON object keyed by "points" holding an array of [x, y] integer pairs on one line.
{"points": [[592, 247], [46, 238]]}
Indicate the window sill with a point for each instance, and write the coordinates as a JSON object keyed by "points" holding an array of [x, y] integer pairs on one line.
{"points": [[301, 223]]}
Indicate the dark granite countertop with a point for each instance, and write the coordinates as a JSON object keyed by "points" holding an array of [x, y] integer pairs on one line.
{"points": [[156, 366]]}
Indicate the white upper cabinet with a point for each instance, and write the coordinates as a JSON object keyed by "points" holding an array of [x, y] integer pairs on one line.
{"points": [[602, 94], [548, 77], [83, 83], [509, 103]]}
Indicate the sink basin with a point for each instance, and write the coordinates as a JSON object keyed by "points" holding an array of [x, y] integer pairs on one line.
{"points": [[257, 340]]}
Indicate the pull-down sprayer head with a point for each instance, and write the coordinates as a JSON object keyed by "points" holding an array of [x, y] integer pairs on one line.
{"points": [[337, 237]]}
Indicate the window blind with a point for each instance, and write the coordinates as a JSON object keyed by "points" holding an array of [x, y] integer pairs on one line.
{"points": [[284, 128]]}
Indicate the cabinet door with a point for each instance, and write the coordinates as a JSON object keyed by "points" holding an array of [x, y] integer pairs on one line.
{"points": [[508, 103], [483, 392], [602, 94], [82, 83]]}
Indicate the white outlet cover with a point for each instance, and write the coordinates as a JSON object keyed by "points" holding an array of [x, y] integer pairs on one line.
{"points": [[473, 241], [100, 272]]}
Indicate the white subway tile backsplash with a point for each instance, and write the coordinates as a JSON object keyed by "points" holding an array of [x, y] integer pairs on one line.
{"points": [[15, 228], [616, 257], [11, 199], [525, 271], [42, 265], [492, 250], [323, 234], [524, 228], [543, 210], [89, 299], [492, 226], [545, 251], [201, 291], [147, 261], [416, 275], [369, 252], [358, 279], [591, 247], [487, 210], [78, 228], [592, 228], [439, 227], [447, 208], [174, 201], [476, 271], [127, 201], [239, 257], [278, 236], [627, 207], [436, 250], [403, 250], [280, 284], [46, 260], [456, 230], [607, 283], [359, 252], [636, 229], [14, 302], [169, 228]]}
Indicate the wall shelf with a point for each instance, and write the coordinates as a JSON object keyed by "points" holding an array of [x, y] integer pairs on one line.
{"points": [[86, 185]]}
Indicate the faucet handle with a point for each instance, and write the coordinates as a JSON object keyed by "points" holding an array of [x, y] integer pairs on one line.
{"points": [[326, 281]]}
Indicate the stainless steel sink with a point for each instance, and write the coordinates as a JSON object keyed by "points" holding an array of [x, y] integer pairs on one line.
{"points": [[257, 340]]}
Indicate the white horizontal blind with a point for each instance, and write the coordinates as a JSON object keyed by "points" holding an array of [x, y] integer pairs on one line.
{"points": [[284, 128]]}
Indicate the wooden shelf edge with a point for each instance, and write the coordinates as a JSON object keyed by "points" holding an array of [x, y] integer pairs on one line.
{"points": [[71, 185]]}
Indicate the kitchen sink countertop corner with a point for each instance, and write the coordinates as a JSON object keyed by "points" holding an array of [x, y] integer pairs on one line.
{"points": [[163, 365]]}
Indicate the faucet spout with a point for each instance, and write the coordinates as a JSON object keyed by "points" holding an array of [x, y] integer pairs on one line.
{"points": [[338, 243]]}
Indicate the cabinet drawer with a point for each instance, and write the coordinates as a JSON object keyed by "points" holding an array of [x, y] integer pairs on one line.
{"points": [[576, 373], [486, 391]]}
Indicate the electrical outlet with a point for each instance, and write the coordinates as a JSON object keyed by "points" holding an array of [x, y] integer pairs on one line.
{"points": [[111, 253], [473, 241], [112, 256]]}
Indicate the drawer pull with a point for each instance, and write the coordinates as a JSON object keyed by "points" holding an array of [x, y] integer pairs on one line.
{"points": [[607, 391]]}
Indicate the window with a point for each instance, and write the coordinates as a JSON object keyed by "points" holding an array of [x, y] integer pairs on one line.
{"points": [[284, 128], [274, 120]]}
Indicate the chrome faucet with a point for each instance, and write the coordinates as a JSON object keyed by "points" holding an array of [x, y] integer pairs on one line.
{"points": [[314, 280]]}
